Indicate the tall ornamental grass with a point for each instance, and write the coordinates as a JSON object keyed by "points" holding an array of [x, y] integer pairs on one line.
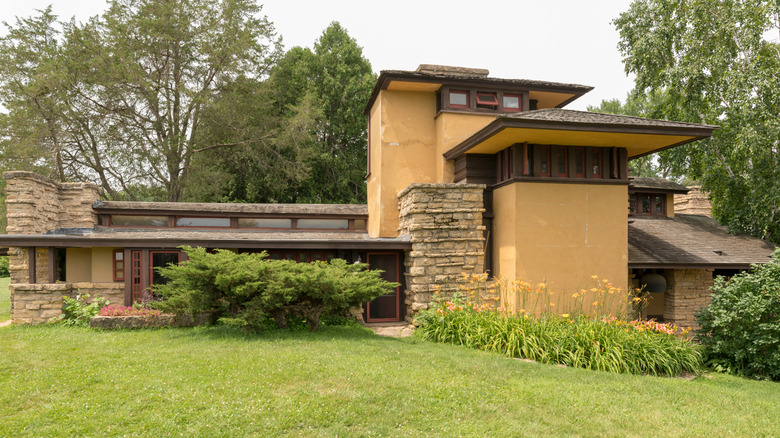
{"points": [[581, 337]]}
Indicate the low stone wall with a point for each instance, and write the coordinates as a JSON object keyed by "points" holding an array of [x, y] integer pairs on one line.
{"points": [[687, 292], [37, 303], [444, 222]]}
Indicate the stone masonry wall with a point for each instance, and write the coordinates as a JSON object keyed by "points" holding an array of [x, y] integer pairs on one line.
{"points": [[37, 303], [33, 203], [444, 222], [687, 292]]}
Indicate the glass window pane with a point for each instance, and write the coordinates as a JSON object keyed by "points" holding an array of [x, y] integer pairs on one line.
{"points": [[596, 159], [248, 222], [360, 224], [333, 224], [645, 204], [487, 99], [579, 161], [632, 204], [659, 204], [119, 255], [458, 98], [139, 221], [512, 102], [202, 222], [562, 161]]}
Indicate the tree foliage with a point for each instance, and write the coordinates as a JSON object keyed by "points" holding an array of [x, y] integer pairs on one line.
{"points": [[717, 63], [740, 328], [118, 100], [312, 147]]}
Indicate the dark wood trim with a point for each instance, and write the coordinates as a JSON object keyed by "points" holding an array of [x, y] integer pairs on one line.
{"points": [[52, 264], [128, 280], [31, 274], [398, 274], [623, 159], [69, 241], [555, 180], [645, 265]]}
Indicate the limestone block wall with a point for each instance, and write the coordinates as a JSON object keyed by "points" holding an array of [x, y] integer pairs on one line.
{"points": [[33, 203], [444, 222], [37, 303], [76, 201], [687, 292]]}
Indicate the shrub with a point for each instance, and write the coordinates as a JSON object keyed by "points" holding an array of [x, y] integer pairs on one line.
{"points": [[248, 290], [740, 328], [597, 343], [77, 311], [4, 270], [115, 310]]}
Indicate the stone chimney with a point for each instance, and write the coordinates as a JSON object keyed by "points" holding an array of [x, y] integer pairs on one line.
{"points": [[448, 70], [695, 202]]}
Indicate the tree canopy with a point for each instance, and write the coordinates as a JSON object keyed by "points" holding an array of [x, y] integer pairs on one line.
{"points": [[118, 100], [717, 63]]}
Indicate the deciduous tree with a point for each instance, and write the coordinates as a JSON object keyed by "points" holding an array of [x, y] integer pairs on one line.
{"points": [[718, 63]]}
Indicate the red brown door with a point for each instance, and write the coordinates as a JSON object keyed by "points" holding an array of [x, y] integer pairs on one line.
{"points": [[387, 307]]}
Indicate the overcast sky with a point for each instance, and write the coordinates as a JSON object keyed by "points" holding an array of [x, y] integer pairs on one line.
{"points": [[570, 41]]}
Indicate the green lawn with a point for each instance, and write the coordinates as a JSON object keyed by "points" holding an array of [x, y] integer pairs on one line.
{"points": [[56, 381], [5, 300]]}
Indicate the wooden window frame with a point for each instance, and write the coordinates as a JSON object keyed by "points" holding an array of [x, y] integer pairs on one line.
{"points": [[519, 103], [638, 196], [561, 152], [596, 153], [454, 105], [491, 102], [579, 152], [118, 274], [544, 152]]}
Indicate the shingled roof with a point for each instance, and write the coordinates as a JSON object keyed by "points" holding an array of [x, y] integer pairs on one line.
{"points": [[599, 119], [691, 241], [661, 185]]}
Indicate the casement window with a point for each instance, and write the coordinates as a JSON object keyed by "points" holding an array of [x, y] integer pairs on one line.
{"points": [[544, 160], [205, 222], [250, 222], [561, 162], [504, 165], [487, 100], [128, 220], [579, 162], [596, 166], [647, 204], [459, 99], [512, 103], [119, 265]]}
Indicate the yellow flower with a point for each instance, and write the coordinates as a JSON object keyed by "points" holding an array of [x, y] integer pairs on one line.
{"points": [[595, 303], [552, 304], [595, 277], [565, 315]]}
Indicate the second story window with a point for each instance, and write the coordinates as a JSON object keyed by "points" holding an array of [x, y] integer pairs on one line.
{"points": [[487, 100], [512, 103], [647, 204], [459, 99]]}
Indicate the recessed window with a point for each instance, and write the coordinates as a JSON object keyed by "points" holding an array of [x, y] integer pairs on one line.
{"points": [[562, 161], [459, 99], [360, 224], [223, 222], [330, 224], [544, 160], [247, 222], [596, 162], [579, 162], [647, 203], [512, 102], [123, 220]]}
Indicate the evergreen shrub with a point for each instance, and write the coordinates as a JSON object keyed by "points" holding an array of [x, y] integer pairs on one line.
{"points": [[249, 290]]}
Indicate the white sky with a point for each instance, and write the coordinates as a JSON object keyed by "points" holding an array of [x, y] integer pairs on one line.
{"points": [[570, 41]]}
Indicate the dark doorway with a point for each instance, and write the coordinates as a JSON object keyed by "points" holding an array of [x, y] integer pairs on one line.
{"points": [[385, 308]]}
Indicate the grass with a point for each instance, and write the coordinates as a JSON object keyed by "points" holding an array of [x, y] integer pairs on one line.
{"points": [[58, 381], [5, 299]]}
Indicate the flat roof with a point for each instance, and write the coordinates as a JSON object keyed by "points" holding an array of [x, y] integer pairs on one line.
{"points": [[640, 136], [652, 184], [203, 208], [168, 238]]}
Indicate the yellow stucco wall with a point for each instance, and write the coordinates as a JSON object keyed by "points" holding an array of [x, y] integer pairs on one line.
{"points": [[102, 261], [670, 205], [403, 146], [451, 129], [78, 264], [561, 234], [407, 142]]}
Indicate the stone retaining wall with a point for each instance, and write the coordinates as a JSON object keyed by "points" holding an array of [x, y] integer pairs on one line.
{"points": [[37, 303], [447, 236], [687, 292]]}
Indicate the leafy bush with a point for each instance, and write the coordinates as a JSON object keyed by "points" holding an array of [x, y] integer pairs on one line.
{"points": [[598, 343], [248, 290], [78, 311], [740, 328], [4, 270]]}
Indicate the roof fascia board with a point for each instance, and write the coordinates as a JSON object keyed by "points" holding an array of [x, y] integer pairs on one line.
{"points": [[502, 123]]}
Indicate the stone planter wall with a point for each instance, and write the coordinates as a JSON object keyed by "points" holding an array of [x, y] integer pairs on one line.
{"points": [[444, 222], [37, 303]]}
